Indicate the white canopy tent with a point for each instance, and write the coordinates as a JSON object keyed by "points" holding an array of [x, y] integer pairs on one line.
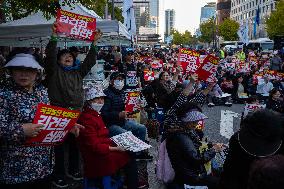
{"points": [[34, 30]]}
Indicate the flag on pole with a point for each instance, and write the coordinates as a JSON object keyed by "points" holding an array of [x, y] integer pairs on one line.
{"points": [[243, 32], [128, 15], [256, 21]]}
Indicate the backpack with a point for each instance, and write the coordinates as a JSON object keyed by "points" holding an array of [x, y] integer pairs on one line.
{"points": [[165, 171]]}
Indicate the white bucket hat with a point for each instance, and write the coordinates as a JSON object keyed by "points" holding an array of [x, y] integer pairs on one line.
{"points": [[24, 60], [94, 92]]}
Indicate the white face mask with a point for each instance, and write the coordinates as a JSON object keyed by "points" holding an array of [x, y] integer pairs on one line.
{"points": [[118, 84], [97, 107]]}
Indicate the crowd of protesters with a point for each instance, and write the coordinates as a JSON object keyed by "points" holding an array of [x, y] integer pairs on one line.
{"points": [[251, 155]]}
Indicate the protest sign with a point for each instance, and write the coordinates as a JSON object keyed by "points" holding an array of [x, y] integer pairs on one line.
{"points": [[133, 103], [131, 79], [129, 142], [208, 70], [149, 75], [249, 108], [57, 123], [189, 60], [243, 67], [75, 25], [157, 64], [230, 66], [200, 125]]}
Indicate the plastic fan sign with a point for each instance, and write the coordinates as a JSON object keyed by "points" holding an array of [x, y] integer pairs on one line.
{"points": [[189, 60], [209, 68], [57, 123], [75, 25]]}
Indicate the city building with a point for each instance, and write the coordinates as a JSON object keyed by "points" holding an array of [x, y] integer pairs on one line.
{"points": [[242, 10], [141, 11], [154, 15], [223, 10], [169, 21], [207, 12]]}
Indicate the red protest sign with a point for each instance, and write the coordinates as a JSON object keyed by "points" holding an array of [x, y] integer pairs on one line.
{"points": [[243, 67], [157, 64], [209, 68], [200, 125], [189, 60], [75, 25], [133, 104], [57, 123], [149, 75]]}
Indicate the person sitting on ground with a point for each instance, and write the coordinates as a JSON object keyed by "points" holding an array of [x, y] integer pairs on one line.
{"points": [[215, 97], [265, 87], [183, 149], [227, 85], [239, 91], [101, 156], [267, 173], [259, 137], [275, 102], [114, 115]]}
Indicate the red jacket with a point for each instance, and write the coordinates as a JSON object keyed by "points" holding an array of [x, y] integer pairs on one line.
{"points": [[94, 145]]}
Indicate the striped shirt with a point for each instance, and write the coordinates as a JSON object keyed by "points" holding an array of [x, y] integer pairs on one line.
{"points": [[171, 119]]}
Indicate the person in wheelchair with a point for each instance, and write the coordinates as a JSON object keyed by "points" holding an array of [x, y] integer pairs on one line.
{"points": [[217, 97]]}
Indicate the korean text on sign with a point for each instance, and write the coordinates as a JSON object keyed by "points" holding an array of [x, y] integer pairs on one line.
{"points": [[57, 123], [75, 25], [208, 70], [189, 60]]}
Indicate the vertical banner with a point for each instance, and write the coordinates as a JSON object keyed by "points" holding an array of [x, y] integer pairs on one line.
{"points": [[75, 25], [133, 104], [57, 123], [189, 60], [209, 68]]}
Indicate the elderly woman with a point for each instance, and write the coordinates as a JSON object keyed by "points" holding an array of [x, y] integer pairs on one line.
{"points": [[183, 150], [22, 166], [101, 156]]}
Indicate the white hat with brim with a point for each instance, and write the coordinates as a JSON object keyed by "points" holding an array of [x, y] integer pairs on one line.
{"points": [[24, 60], [193, 116], [95, 91]]}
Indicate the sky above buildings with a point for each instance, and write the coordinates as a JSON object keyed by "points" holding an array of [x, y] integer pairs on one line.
{"points": [[187, 13]]}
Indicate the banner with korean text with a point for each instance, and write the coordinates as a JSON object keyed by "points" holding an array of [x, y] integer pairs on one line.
{"points": [[57, 123], [133, 105], [189, 60], [75, 25], [208, 70]]}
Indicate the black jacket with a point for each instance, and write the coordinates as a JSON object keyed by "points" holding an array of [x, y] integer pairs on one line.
{"points": [[274, 105], [114, 103], [187, 161], [237, 166]]}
